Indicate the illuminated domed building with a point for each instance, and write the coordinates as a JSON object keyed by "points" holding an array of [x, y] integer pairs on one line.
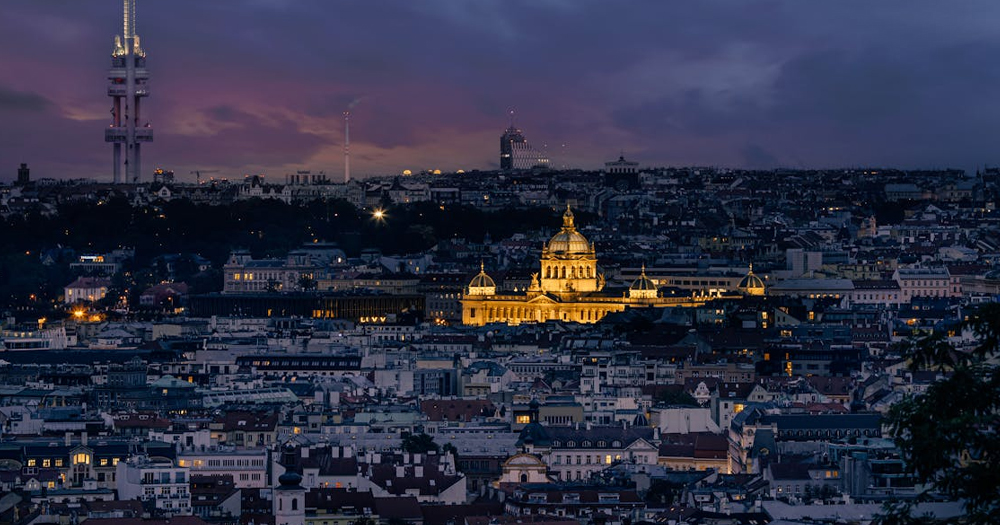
{"points": [[751, 284], [643, 287], [568, 287], [481, 284]]}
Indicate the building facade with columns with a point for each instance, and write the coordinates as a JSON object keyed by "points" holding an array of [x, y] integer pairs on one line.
{"points": [[568, 287]]}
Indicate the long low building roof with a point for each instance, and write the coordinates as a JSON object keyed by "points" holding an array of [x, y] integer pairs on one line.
{"points": [[813, 284]]}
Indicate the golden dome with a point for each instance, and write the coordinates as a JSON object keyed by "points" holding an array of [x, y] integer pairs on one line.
{"points": [[751, 284], [643, 287], [482, 284], [569, 241], [643, 282]]}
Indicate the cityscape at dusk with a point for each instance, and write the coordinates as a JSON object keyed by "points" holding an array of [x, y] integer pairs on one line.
{"points": [[563, 262]]}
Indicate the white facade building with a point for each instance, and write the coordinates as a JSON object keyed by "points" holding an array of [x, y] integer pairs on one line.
{"points": [[157, 480]]}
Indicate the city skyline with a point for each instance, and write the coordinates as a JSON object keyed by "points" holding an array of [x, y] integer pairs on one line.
{"points": [[261, 86]]}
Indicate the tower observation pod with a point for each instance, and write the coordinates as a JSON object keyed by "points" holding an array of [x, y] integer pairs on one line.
{"points": [[128, 84]]}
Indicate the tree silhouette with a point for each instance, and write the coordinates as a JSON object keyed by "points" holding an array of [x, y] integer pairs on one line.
{"points": [[948, 435], [419, 444]]}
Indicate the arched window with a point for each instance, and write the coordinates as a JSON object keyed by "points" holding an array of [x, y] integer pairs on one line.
{"points": [[281, 504], [524, 478], [295, 503]]}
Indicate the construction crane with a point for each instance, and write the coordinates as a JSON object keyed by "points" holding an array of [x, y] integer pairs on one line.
{"points": [[197, 174]]}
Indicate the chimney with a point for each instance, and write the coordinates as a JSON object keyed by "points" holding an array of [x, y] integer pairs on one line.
{"points": [[83, 438], [69, 438], [305, 452]]}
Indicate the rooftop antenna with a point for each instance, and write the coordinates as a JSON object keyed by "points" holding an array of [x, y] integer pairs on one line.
{"points": [[511, 114], [129, 22]]}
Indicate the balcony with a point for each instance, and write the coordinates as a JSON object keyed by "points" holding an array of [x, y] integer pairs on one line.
{"points": [[121, 90], [113, 134], [120, 134]]}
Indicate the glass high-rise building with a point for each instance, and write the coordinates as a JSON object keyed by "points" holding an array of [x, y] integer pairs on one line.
{"points": [[517, 154]]}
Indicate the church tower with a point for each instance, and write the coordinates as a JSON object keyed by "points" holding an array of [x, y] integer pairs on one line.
{"points": [[289, 500]]}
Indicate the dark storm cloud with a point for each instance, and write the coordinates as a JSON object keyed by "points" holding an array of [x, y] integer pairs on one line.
{"points": [[244, 140], [755, 156], [262, 84], [11, 100]]}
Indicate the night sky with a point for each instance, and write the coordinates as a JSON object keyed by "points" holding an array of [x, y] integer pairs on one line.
{"points": [[251, 86]]}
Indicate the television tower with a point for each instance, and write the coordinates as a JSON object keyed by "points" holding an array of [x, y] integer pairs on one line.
{"points": [[347, 147], [127, 85]]}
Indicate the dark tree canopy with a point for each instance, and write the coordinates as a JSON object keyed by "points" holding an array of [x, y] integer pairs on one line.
{"points": [[948, 435], [419, 444]]}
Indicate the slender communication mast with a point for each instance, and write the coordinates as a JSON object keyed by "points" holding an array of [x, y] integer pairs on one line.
{"points": [[347, 147], [128, 84]]}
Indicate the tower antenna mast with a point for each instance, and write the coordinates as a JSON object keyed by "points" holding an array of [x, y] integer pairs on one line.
{"points": [[128, 84], [347, 147]]}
